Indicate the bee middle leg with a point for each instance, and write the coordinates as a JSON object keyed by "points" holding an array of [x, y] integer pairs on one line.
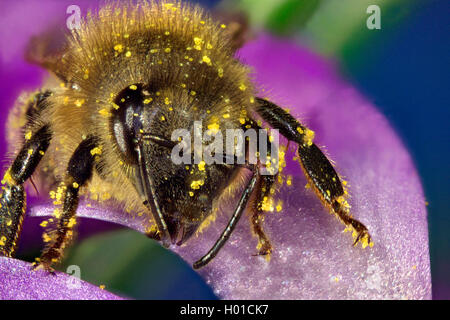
{"points": [[263, 194], [79, 172], [320, 173]]}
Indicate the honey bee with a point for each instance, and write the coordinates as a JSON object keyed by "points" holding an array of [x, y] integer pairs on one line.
{"points": [[101, 128]]}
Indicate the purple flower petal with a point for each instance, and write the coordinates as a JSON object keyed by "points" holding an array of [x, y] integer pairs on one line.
{"points": [[19, 282], [313, 258]]}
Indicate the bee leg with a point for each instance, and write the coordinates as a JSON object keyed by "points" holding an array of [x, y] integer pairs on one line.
{"points": [[262, 196], [246, 194], [317, 168], [79, 171], [13, 198], [257, 217]]}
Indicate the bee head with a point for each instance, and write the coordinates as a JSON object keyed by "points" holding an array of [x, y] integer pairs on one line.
{"points": [[182, 193]]}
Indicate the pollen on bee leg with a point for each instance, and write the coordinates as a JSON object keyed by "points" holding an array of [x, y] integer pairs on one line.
{"points": [[7, 178], [201, 166], [57, 213], [309, 137], [267, 204], [46, 237]]}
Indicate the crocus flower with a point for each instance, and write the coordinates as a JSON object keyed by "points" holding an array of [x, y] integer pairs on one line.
{"points": [[313, 258]]}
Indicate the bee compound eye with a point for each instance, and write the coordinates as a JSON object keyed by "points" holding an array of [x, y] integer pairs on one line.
{"points": [[126, 119]]}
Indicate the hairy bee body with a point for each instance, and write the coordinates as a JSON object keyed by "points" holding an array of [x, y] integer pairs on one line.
{"points": [[103, 126], [176, 48]]}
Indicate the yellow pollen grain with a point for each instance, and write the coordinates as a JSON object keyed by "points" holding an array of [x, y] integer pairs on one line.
{"points": [[266, 204], [28, 135], [128, 54], [148, 100], [201, 166], [75, 185], [242, 87], [226, 116], [191, 193], [96, 150], [242, 120], [41, 152], [133, 87], [30, 151], [207, 60], [57, 213], [220, 72], [309, 137], [44, 224], [197, 184], [72, 222], [46, 237], [214, 127], [163, 118], [198, 43], [289, 180], [167, 101], [279, 206], [104, 112], [167, 50], [79, 102], [223, 26], [118, 47], [7, 178]]}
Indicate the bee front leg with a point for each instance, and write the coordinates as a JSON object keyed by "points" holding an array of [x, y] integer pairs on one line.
{"points": [[317, 168], [79, 171], [13, 198]]}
